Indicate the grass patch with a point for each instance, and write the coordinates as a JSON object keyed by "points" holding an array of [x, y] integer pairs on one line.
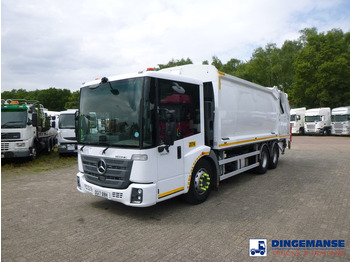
{"points": [[44, 162]]}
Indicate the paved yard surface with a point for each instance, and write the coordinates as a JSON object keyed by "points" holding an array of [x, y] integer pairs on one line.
{"points": [[44, 217]]}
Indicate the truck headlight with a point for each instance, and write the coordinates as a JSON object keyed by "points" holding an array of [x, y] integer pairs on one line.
{"points": [[139, 157], [78, 182], [136, 195], [20, 144]]}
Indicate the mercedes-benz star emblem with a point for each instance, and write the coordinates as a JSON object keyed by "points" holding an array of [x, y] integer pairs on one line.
{"points": [[101, 167]]}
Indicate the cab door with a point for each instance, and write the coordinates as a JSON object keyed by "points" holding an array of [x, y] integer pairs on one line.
{"points": [[182, 100]]}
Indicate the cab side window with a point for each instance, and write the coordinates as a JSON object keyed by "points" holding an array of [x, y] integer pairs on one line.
{"points": [[183, 98]]}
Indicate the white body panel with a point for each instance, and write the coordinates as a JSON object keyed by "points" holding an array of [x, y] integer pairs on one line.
{"points": [[341, 120], [322, 122], [244, 112], [298, 115]]}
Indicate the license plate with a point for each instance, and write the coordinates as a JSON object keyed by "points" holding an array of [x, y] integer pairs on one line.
{"points": [[101, 194], [70, 147]]}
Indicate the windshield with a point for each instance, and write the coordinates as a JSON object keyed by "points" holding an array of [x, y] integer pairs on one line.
{"points": [[292, 117], [67, 121], [312, 118], [110, 113], [13, 119], [340, 118]]}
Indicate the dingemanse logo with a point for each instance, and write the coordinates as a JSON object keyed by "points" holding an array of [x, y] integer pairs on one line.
{"points": [[258, 247]]}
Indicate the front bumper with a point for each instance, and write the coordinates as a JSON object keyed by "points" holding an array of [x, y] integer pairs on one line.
{"points": [[149, 196], [14, 154], [67, 148]]}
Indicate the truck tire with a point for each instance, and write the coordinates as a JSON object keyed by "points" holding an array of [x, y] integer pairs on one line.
{"points": [[201, 182], [264, 159], [34, 153], [48, 146], [275, 153]]}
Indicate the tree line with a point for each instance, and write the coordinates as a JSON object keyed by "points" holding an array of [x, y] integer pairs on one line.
{"points": [[314, 70], [53, 99]]}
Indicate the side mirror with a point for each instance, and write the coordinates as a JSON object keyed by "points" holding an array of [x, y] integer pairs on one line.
{"points": [[170, 130], [53, 124], [298, 117], [35, 119], [76, 126]]}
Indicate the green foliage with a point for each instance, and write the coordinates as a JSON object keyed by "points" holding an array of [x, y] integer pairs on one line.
{"points": [[73, 101], [322, 69], [53, 99], [173, 63]]}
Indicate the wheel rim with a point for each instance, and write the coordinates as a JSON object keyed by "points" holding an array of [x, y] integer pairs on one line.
{"points": [[201, 181], [275, 155], [264, 158]]}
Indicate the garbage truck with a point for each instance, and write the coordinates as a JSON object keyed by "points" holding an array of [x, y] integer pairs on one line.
{"points": [[66, 139], [25, 129], [154, 135], [297, 120], [341, 120], [318, 121]]}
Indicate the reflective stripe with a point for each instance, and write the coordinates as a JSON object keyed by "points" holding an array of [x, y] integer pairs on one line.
{"points": [[252, 140], [171, 192]]}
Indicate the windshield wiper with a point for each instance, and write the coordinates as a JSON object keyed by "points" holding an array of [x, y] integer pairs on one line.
{"points": [[104, 151]]}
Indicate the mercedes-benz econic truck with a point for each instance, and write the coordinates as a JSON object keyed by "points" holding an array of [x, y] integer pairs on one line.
{"points": [[66, 139], [25, 129], [341, 120], [318, 121], [297, 120], [154, 135]]}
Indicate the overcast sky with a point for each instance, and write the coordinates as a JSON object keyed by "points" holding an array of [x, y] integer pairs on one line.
{"points": [[62, 43]]}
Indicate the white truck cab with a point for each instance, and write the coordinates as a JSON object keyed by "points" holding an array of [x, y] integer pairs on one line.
{"points": [[66, 138], [318, 121], [297, 120], [341, 120]]}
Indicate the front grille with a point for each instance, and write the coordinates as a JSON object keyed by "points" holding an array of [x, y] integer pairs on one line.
{"points": [[5, 146], [338, 125], [311, 127], [117, 173], [10, 135]]}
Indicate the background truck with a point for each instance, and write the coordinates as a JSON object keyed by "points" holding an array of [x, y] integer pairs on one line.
{"points": [[150, 136], [297, 120], [341, 120], [318, 121], [66, 139], [25, 129]]}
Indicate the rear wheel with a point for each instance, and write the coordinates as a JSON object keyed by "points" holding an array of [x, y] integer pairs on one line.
{"points": [[264, 159], [273, 161], [201, 182]]}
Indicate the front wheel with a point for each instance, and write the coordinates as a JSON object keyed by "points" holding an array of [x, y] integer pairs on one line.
{"points": [[201, 182], [33, 153]]}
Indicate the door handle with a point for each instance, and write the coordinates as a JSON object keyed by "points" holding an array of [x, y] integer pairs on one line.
{"points": [[179, 152]]}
